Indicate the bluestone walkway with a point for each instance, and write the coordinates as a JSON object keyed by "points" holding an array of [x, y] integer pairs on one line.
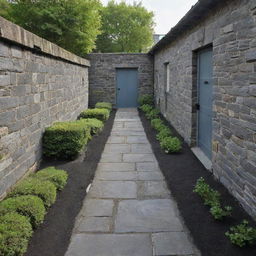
{"points": [[129, 210]]}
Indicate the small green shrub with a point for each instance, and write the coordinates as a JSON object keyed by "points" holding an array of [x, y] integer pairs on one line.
{"points": [[211, 198], [219, 213], [98, 113], [242, 235], [106, 105], [29, 206], [171, 145], [146, 108], [153, 114], [163, 133], [146, 99], [32, 186], [57, 177], [65, 140], [95, 124], [157, 124], [15, 231]]}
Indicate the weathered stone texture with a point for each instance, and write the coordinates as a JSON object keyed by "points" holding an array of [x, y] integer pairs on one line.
{"points": [[102, 74], [231, 31], [35, 91]]}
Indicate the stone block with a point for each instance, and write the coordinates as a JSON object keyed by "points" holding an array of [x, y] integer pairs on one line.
{"points": [[136, 158], [94, 224], [3, 131], [116, 176], [117, 167], [110, 244]]}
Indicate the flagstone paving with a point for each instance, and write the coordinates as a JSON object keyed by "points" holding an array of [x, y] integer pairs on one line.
{"points": [[129, 210]]}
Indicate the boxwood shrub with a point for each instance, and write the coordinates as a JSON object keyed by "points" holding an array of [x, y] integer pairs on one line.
{"points": [[99, 113], [171, 145], [32, 186], [106, 105], [163, 133], [96, 125], [29, 206], [65, 140], [146, 108], [153, 114], [15, 231], [157, 124], [146, 99], [57, 177]]}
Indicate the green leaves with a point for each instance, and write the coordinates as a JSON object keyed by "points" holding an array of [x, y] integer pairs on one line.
{"points": [[211, 198], [171, 145], [125, 28], [71, 24], [242, 235]]}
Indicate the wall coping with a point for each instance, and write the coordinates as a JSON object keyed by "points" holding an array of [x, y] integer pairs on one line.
{"points": [[116, 53], [22, 37]]}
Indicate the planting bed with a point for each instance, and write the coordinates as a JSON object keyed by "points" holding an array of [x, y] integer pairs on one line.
{"points": [[52, 237], [181, 172]]}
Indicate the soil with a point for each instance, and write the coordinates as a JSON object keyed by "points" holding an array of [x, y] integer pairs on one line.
{"points": [[53, 236], [181, 172]]}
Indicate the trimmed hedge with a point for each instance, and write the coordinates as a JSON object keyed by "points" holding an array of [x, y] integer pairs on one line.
{"points": [[163, 133], [15, 231], [153, 114], [57, 177], [171, 145], [98, 113], [65, 140], [96, 125], [29, 206], [32, 186], [157, 124], [146, 99], [106, 105]]}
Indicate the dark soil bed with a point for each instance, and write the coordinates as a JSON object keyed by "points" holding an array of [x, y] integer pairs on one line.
{"points": [[181, 172], [52, 237]]}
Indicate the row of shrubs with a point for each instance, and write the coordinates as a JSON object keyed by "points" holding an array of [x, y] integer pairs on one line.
{"points": [[240, 235], [24, 209], [65, 140], [168, 143]]}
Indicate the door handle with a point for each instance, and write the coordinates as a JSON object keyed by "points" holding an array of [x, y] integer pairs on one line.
{"points": [[118, 89], [206, 82], [197, 106]]}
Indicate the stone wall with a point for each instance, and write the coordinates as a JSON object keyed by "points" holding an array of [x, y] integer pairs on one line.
{"points": [[231, 30], [102, 74], [37, 88]]}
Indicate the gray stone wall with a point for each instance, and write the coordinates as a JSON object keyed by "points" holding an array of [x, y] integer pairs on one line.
{"points": [[102, 74], [231, 32], [35, 90]]}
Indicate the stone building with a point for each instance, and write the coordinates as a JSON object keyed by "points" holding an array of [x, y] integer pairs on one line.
{"points": [[205, 85]]}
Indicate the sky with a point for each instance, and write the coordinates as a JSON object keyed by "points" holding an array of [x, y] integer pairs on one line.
{"points": [[167, 12]]}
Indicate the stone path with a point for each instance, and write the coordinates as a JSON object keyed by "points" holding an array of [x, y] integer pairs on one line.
{"points": [[129, 210]]}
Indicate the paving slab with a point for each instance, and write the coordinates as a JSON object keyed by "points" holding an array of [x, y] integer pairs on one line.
{"points": [[141, 176], [156, 189], [172, 243], [141, 148], [137, 139], [111, 158], [116, 139], [97, 208], [94, 224], [110, 245], [125, 167], [116, 176], [136, 157], [113, 189], [117, 148], [147, 167], [154, 215]]}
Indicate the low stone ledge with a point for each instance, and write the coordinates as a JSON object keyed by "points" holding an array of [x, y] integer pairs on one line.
{"points": [[19, 35]]}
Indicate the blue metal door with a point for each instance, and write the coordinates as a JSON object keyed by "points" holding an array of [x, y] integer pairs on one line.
{"points": [[127, 88], [205, 101]]}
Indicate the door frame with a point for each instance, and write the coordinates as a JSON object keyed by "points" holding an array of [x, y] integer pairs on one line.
{"points": [[203, 49], [116, 89]]}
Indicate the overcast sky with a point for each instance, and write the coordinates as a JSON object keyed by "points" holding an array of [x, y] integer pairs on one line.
{"points": [[167, 12]]}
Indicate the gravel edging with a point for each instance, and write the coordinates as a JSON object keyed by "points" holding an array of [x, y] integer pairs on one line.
{"points": [[181, 172], [53, 236]]}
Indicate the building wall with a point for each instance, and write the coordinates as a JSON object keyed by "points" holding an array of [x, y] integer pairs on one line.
{"points": [[102, 74], [36, 89], [231, 30]]}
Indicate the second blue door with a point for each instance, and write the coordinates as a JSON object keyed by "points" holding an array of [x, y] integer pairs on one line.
{"points": [[127, 88], [205, 101]]}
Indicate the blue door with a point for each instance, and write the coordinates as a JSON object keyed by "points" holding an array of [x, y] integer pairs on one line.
{"points": [[127, 88], [205, 101]]}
